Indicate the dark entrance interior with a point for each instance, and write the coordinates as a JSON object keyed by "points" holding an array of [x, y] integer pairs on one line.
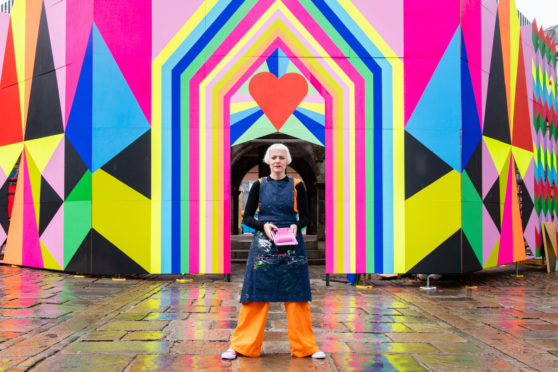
{"points": [[308, 162]]}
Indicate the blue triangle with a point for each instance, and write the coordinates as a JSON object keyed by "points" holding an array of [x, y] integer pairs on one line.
{"points": [[436, 121], [117, 118], [78, 129], [317, 117], [282, 63], [244, 124], [472, 133], [316, 128], [273, 63], [238, 116]]}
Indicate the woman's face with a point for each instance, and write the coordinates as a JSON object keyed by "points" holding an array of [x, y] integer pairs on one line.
{"points": [[278, 161]]}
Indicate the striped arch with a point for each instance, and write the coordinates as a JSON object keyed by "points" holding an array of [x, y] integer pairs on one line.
{"points": [[194, 78]]}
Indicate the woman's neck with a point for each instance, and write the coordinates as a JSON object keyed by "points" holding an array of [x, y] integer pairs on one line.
{"points": [[277, 177]]}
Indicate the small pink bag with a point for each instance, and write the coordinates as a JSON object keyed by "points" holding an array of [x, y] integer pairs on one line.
{"points": [[283, 236]]}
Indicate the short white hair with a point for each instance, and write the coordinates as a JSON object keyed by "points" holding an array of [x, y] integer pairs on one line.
{"points": [[277, 146]]}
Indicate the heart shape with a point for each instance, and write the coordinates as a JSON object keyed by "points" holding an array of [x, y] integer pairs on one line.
{"points": [[278, 98]]}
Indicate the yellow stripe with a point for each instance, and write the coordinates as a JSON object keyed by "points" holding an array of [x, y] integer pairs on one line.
{"points": [[398, 133], [241, 63], [241, 106], [17, 17], [156, 136], [312, 106]]}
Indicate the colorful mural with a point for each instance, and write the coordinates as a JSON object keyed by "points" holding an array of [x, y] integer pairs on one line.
{"points": [[438, 121], [545, 121]]}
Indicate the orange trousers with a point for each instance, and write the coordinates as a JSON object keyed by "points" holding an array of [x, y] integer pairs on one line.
{"points": [[248, 336]]}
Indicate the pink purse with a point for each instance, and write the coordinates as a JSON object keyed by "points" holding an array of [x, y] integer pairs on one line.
{"points": [[283, 236]]}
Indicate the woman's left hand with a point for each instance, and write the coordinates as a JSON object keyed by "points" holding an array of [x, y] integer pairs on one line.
{"points": [[293, 229]]}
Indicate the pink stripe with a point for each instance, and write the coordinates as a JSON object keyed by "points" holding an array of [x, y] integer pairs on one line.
{"points": [[360, 169], [227, 45], [226, 263], [238, 97], [194, 179], [329, 186], [313, 98], [31, 247], [332, 49], [505, 254], [209, 197], [346, 199], [194, 124]]}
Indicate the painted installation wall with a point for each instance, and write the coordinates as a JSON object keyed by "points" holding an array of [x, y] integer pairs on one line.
{"points": [[438, 121]]}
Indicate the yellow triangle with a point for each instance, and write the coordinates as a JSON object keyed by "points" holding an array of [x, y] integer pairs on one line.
{"points": [[35, 182], [9, 155], [534, 70], [499, 152], [504, 174], [523, 159], [122, 216], [41, 149], [48, 261], [492, 260]]}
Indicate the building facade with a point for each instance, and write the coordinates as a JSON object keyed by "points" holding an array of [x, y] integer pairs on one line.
{"points": [[434, 124]]}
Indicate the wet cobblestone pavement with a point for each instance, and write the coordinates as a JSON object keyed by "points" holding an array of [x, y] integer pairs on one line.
{"points": [[52, 321]]}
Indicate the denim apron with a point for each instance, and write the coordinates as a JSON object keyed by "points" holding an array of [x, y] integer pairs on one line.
{"points": [[276, 274]]}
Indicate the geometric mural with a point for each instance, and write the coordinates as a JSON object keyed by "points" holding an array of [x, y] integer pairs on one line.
{"points": [[439, 123]]}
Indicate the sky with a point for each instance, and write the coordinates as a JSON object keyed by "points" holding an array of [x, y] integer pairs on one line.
{"points": [[544, 11]]}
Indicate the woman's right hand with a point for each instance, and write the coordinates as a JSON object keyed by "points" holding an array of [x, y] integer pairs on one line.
{"points": [[268, 227]]}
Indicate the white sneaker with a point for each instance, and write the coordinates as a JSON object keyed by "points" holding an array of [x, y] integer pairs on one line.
{"points": [[319, 355], [229, 354]]}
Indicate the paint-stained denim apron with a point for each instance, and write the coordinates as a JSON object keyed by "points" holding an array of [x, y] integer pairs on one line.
{"points": [[272, 274]]}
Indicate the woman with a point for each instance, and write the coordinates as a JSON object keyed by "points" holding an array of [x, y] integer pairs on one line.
{"points": [[274, 274]]}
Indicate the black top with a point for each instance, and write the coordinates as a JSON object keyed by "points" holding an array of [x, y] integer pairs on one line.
{"points": [[254, 198]]}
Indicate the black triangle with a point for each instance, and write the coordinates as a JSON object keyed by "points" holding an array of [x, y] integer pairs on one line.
{"points": [[44, 117], [496, 121], [74, 167], [474, 168], [4, 218], [469, 259], [4, 198], [108, 259], [526, 203], [81, 261], [527, 206], [132, 165], [492, 203], [446, 259], [50, 203], [422, 166]]}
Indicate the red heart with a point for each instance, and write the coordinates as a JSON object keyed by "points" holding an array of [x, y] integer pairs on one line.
{"points": [[278, 98]]}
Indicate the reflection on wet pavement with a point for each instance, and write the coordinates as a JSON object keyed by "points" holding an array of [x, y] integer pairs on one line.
{"points": [[53, 321]]}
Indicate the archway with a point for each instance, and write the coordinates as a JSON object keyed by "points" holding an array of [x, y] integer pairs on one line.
{"points": [[308, 162]]}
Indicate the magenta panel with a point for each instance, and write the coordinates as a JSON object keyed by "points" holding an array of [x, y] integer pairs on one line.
{"points": [[126, 28], [429, 27]]}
